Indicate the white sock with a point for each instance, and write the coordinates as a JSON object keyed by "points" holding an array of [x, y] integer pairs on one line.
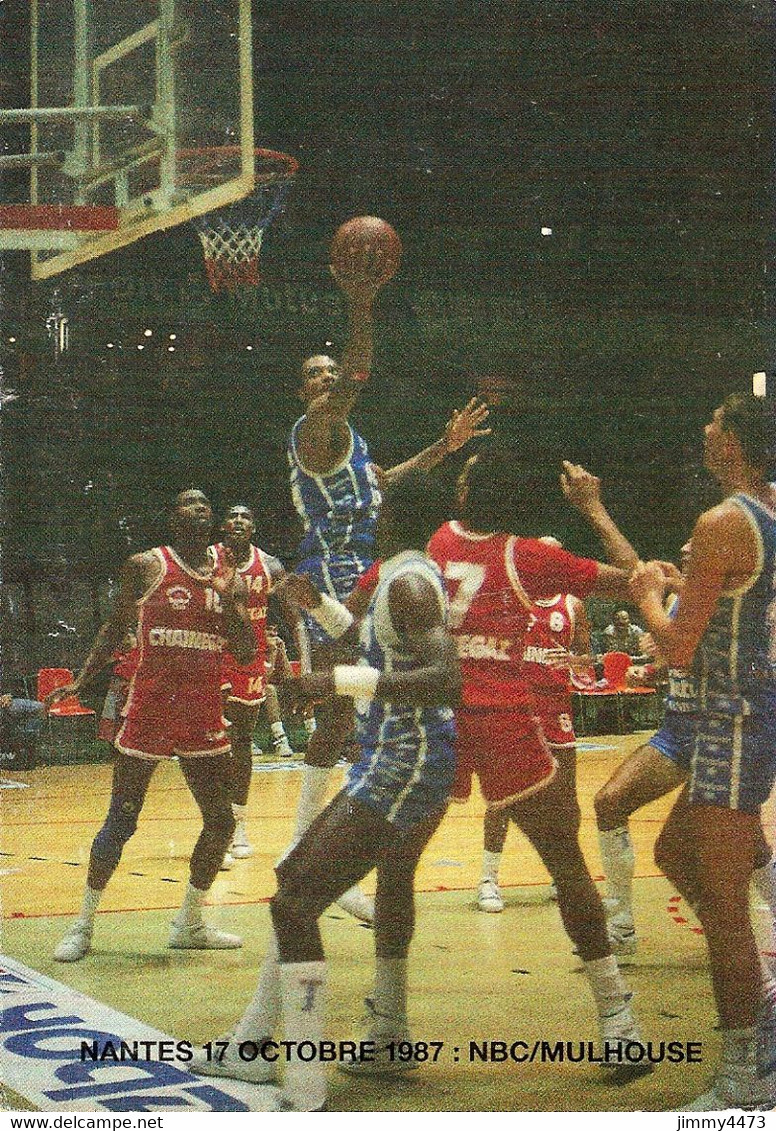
{"points": [[764, 927], [261, 1017], [315, 780], [310, 725], [190, 914], [608, 985], [390, 994], [619, 861], [764, 880], [302, 986], [278, 730], [491, 861], [739, 1046], [89, 905]]}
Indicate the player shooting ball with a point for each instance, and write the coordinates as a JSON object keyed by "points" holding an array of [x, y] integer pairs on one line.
{"points": [[336, 487]]}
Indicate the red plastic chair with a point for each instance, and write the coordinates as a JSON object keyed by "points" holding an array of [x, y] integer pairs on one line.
{"points": [[615, 666], [49, 679]]}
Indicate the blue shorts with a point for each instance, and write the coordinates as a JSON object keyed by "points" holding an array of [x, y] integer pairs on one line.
{"points": [[336, 576], [730, 760], [405, 785], [675, 738]]}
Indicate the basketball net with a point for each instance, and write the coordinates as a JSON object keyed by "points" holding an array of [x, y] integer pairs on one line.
{"points": [[231, 254], [231, 238]]}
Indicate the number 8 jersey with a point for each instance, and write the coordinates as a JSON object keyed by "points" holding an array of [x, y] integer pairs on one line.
{"points": [[492, 580]]}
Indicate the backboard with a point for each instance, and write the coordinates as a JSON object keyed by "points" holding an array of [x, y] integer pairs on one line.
{"points": [[122, 93]]}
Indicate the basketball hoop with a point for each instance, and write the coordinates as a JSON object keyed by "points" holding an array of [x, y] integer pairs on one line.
{"points": [[231, 237]]}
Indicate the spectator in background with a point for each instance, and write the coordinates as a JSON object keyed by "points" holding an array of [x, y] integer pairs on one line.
{"points": [[21, 721], [622, 636]]}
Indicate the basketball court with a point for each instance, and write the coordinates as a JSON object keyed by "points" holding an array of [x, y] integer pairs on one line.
{"points": [[474, 977]]}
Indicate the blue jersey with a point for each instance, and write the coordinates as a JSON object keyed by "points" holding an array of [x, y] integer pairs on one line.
{"points": [[682, 693], [735, 664], [339, 508], [407, 760]]}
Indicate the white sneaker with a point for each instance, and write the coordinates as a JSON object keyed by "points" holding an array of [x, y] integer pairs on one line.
{"points": [[240, 847], [621, 1041], [228, 861], [489, 897], [281, 748], [201, 937], [256, 751], [735, 1086], [250, 1066], [387, 1061], [76, 943], [358, 905]]}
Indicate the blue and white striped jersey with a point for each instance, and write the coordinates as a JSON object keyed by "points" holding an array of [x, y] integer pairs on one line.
{"points": [[339, 508], [735, 664], [407, 760]]}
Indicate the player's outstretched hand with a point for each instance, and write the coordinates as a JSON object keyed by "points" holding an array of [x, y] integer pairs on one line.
{"points": [[580, 487], [225, 574], [647, 579], [465, 424], [561, 658], [673, 576], [313, 687], [363, 275]]}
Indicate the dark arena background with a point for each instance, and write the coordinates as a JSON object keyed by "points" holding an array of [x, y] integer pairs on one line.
{"points": [[640, 135]]}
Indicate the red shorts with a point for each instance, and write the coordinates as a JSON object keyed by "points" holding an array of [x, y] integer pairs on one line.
{"points": [[163, 719], [555, 715], [508, 753], [247, 684]]}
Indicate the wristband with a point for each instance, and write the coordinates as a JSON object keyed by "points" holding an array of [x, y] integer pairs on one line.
{"points": [[332, 616], [360, 375], [356, 680]]}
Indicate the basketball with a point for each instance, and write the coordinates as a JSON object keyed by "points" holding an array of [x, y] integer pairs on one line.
{"points": [[365, 253]]}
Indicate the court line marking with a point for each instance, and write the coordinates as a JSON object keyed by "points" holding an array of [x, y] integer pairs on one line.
{"points": [[43, 1025]]}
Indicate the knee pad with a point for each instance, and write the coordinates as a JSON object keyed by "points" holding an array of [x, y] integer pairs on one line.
{"points": [[120, 824]]}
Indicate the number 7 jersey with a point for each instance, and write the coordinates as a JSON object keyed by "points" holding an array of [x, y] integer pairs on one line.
{"points": [[492, 580]]}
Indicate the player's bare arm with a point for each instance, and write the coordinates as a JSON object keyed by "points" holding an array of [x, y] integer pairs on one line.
{"points": [[231, 589], [723, 556], [137, 576], [339, 619], [583, 490], [464, 425], [323, 435], [417, 619]]}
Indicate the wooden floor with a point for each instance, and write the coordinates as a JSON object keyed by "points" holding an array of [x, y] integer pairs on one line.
{"points": [[474, 977]]}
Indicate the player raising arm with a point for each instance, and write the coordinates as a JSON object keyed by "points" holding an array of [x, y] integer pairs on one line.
{"points": [[724, 636], [336, 489]]}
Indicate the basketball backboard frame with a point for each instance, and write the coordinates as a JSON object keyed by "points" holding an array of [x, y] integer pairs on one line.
{"points": [[97, 179]]}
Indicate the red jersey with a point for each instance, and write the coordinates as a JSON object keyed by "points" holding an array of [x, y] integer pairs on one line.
{"points": [[258, 583], [174, 702], [248, 683], [552, 627], [492, 581]]}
